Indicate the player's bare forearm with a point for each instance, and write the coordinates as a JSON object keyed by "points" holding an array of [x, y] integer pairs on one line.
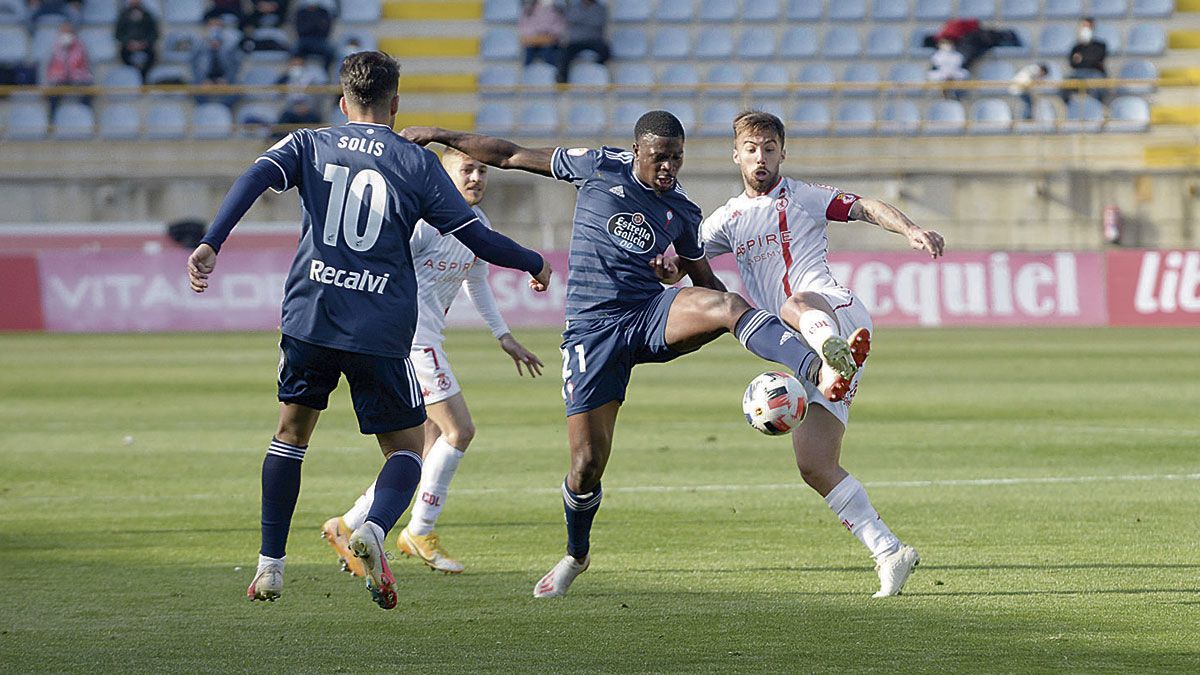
{"points": [[892, 219], [701, 274], [490, 150]]}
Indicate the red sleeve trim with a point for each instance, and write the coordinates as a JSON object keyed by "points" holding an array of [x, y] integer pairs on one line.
{"points": [[839, 207]]}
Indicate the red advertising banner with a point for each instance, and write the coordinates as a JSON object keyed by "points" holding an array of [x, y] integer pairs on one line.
{"points": [[1154, 288], [20, 295]]}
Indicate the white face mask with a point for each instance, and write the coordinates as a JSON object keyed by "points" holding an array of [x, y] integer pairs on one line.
{"points": [[1085, 34]]}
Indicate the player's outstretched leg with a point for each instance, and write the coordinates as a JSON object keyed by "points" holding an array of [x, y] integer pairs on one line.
{"points": [[448, 433], [813, 318]]}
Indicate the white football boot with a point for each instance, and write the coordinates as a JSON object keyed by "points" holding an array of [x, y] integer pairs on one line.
{"points": [[268, 579], [367, 544], [894, 569], [840, 360], [559, 578]]}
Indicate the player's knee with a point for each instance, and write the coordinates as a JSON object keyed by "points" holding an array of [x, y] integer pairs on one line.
{"points": [[820, 476], [291, 433], [585, 474], [461, 435]]}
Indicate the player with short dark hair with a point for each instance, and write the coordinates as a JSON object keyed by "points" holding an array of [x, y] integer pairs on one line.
{"points": [[350, 300], [630, 209], [777, 231]]}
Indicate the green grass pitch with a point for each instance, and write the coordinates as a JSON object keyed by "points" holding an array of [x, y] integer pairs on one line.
{"points": [[1049, 478]]}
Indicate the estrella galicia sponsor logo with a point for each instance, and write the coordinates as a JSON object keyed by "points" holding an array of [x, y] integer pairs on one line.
{"points": [[631, 232]]}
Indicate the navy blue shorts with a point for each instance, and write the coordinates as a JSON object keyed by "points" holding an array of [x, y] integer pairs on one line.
{"points": [[599, 354], [384, 389]]}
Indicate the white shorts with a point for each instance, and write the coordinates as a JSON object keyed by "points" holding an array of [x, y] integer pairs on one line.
{"points": [[433, 373], [851, 315]]}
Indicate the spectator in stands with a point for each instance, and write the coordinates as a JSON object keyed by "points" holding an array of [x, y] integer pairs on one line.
{"points": [[586, 22], [137, 34], [216, 62], [541, 26], [314, 24], [266, 14], [946, 65], [219, 9], [300, 111], [972, 39], [1087, 60], [1022, 86], [299, 76], [70, 10], [68, 64]]}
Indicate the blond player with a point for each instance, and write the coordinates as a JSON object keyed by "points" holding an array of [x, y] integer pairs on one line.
{"points": [[777, 231], [443, 266]]}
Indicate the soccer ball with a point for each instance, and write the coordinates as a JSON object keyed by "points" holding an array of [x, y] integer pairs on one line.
{"points": [[774, 403]]}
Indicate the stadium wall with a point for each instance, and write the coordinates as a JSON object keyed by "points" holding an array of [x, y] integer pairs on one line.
{"points": [[139, 291]]}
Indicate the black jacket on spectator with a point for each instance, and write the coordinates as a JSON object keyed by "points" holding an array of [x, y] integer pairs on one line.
{"points": [[313, 22], [1090, 56], [136, 25]]}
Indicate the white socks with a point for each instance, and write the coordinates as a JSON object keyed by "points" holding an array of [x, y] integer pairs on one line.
{"points": [[440, 464], [850, 504], [357, 515], [816, 327]]}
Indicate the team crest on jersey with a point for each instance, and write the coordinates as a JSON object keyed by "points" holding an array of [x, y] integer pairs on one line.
{"points": [[781, 204], [670, 215], [443, 382], [618, 191], [632, 232], [847, 198]]}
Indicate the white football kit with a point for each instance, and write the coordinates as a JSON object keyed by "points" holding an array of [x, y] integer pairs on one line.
{"points": [[443, 264], [781, 246]]}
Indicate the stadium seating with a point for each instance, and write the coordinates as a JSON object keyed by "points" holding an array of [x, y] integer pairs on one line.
{"points": [[27, 121], [945, 117], [885, 42], [714, 43], [119, 121], [761, 10], [983, 10], [14, 44], [211, 120], [864, 74], [889, 10], [629, 43], [716, 118], [1146, 39], [798, 43], [809, 119], [756, 43], [1063, 9], [500, 11], [1084, 114], [1128, 113], [724, 80], [166, 121], [991, 116], [848, 10], [722, 11], [631, 11], [73, 122], [935, 11], [586, 119], [841, 42], [899, 117], [1109, 9], [855, 118], [495, 118], [804, 10], [1019, 10], [184, 11], [1153, 9]]}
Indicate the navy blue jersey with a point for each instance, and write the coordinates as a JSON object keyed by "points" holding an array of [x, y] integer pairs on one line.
{"points": [[620, 224], [362, 190]]}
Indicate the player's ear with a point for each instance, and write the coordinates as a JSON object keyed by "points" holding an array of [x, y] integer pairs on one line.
{"points": [[342, 106], [395, 104]]}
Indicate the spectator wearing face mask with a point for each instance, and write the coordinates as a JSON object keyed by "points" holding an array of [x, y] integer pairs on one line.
{"points": [[1087, 60], [541, 26], [946, 65], [314, 23], [216, 62], [137, 34], [68, 64]]}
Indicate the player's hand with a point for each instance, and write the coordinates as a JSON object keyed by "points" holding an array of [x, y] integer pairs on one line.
{"points": [[541, 282], [200, 264], [521, 356], [929, 241], [667, 269], [420, 135]]}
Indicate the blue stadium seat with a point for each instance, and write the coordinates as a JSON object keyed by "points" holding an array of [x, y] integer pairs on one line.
{"points": [[1109, 9], [12, 12], [889, 10], [804, 10], [855, 118], [1138, 70], [121, 77], [500, 44], [716, 120], [1153, 9], [798, 43], [625, 116], [1062, 9], [361, 11], [861, 74], [679, 80], [723, 11], [1018, 51], [809, 119], [816, 74], [73, 122], [500, 11], [991, 116], [585, 119], [945, 117], [120, 121], [774, 107], [977, 9], [630, 11], [100, 12], [756, 43], [261, 77], [633, 79], [495, 118], [539, 75], [714, 43], [99, 44], [1146, 39], [256, 119], [41, 43], [26, 122], [841, 42], [671, 43], [498, 80], [906, 78], [629, 43], [14, 44], [1056, 39], [848, 10], [168, 74], [166, 121], [999, 73], [933, 10], [770, 81], [899, 118], [184, 11], [916, 43], [211, 121], [885, 42], [589, 75], [1044, 121], [366, 40], [1084, 114], [674, 11], [178, 46], [1128, 113], [1111, 37], [761, 10], [1020, 10], [684, 111], [725, 80]]}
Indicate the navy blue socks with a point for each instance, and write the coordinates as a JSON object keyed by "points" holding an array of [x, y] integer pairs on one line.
{"points": [[767, 337], [398, 480], [280, 488], [580, 509]]}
